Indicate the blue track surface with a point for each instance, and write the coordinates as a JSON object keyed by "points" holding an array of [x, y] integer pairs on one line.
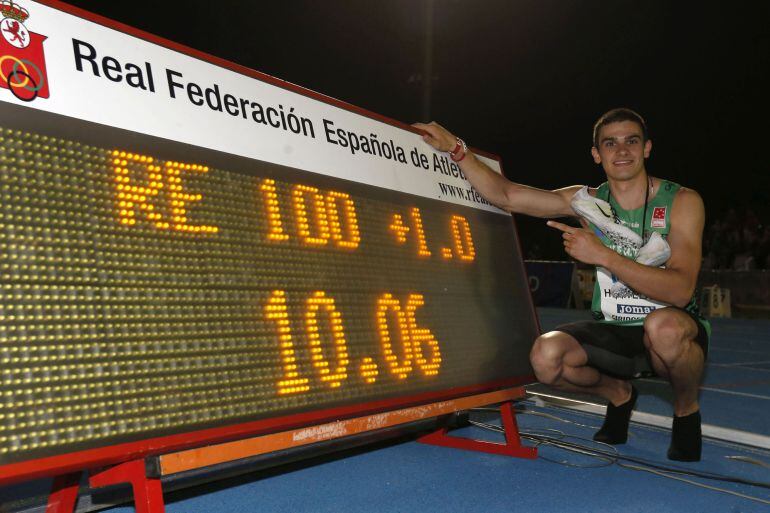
{"points": [[409, 477]]}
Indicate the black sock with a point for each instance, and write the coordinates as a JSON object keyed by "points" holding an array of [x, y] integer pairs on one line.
{"points": [[685, 438], [615, 428]]}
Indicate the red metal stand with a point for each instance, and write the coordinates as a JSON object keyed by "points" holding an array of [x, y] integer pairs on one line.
{"points": [[511, 447], [148, 493], [64, 493]]}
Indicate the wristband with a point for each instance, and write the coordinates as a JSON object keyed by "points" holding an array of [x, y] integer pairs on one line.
{"points": [[459, 151]]}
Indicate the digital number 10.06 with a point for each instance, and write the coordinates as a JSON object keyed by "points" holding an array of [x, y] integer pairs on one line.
{"points": [[405, 347]]}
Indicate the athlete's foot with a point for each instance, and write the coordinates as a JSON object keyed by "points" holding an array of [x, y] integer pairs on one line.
{"points": [[599, 212], [686, 438], [655, 252], [614, 431]]}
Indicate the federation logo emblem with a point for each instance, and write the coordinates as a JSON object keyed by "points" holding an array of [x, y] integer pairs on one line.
{"points": [[22, 62], [658, 217], [15, 32]]}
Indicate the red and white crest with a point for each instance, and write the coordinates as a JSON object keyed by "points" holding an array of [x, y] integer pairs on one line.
{"points": [[22, 62], [658, 217]]}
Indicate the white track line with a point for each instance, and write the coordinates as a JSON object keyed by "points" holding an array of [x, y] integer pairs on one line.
{"points": [[730, 349], [741, 394], [651, 419], [736, 366], [744, 367], [740, 364], [710, 389]]}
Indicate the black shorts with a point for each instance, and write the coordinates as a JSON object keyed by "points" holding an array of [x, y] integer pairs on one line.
{"points": [[618, 350]]}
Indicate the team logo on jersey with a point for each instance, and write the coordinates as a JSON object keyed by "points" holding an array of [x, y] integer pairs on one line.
{"points": [[658, 217], [22, 62]]}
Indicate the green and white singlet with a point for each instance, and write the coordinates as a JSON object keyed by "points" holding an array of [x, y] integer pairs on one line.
{"points": [[613, 301]]}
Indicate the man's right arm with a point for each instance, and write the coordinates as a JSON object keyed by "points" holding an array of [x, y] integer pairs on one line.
{"points": [[510, 196]]}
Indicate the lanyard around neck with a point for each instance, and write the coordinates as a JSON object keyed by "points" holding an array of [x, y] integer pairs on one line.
{"points": [[644, 213]]}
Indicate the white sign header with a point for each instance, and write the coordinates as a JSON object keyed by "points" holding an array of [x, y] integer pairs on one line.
{"points": [[78, 68]]}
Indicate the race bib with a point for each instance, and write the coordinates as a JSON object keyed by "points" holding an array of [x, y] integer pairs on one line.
{"points": [[619, 302]]}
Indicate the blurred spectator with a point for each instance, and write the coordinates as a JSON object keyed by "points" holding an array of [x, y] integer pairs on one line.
{"points": [[737, 241], [762, 250]]}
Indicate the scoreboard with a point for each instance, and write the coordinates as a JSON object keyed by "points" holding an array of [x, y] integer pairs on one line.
{"points": [[169, 268]]}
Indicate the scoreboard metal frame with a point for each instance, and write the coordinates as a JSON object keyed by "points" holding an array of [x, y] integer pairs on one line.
{"points": [[121, 452]]}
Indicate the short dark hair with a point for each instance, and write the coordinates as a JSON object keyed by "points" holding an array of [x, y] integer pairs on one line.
{"points": [[616, 116]]}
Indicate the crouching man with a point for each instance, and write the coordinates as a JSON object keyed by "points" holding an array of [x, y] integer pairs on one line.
{"points": [[643, 234]]}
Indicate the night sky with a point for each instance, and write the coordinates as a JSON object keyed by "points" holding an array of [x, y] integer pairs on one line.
{"points": [[522, 79]]}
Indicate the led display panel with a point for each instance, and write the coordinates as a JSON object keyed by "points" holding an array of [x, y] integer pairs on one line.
{"points": [[150, 287]]}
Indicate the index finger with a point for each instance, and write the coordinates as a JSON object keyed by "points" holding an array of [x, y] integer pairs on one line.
{"points": [[560, 226]]}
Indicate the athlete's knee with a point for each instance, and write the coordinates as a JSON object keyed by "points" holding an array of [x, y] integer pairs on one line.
{"points": [[667, 333], [546, 357]]}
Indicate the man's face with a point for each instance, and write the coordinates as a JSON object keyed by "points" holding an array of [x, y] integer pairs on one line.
{"points": [[621, 150]]}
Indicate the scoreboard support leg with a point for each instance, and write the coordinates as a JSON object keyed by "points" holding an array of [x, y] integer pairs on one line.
{"points": [[512, 446], [64, 493], [148, 491]]}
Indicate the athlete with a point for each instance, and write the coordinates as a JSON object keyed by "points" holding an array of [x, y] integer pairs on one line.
{"points": [[643, 234]]}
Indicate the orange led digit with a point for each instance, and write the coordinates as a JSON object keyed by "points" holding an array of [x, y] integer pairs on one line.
{"points": [[463, 240], [314, 303], [273, 211], [318, 202], [399, 229], [420, 336], [275, 310], [422, 246], [388, 304], [369, 370], [179, 199], [129, 196], [350, 238]]}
